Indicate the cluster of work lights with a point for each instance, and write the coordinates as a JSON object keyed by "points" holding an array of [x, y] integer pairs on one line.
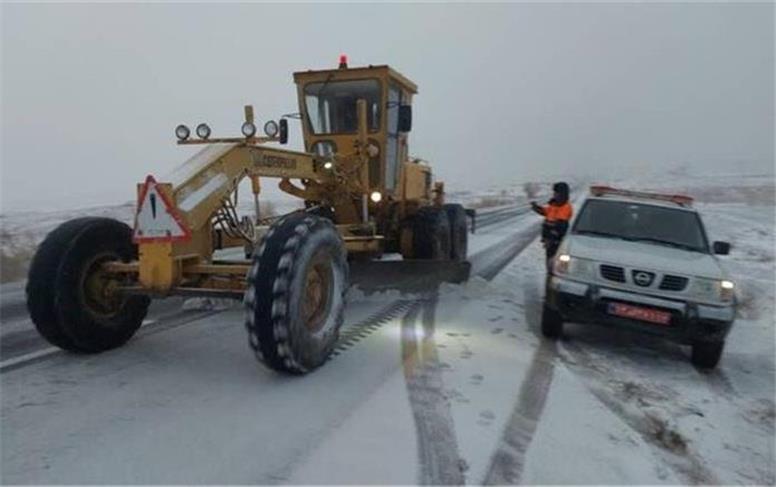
{"points": [[248, 129]]}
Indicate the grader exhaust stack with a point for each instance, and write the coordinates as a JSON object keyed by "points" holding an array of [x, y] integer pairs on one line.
{"points": [[91, 280]]}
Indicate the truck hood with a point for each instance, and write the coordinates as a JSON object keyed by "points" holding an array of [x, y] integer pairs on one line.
{"points": [[643, 255]]}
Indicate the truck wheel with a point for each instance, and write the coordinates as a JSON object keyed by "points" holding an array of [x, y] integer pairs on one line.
{"points": [[295, 299], [552, 323], [706, 355], [431, 234], [70, 299], [459, 232]]}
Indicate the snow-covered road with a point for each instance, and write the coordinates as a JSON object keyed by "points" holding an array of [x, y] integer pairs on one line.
{"points": [[452, 385]]}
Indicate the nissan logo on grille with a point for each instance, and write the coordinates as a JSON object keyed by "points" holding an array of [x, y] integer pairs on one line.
{"points": [[642, 278]]}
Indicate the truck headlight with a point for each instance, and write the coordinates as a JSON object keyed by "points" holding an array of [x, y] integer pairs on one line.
{"points": [[727, 290], [566, 265], [562, 264], [714, 289]]}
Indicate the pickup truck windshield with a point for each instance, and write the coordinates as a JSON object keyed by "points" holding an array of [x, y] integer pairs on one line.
{"points": [[642, 222], [331, 105]]}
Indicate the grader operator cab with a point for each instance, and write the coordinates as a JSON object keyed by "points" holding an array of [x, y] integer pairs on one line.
{"points": [[91, 280]]}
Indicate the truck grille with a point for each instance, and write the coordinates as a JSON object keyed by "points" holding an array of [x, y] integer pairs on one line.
{"points": [[673, 283], [613, 273]]}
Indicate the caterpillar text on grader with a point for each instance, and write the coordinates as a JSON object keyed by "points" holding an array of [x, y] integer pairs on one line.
{"points": [[91, 280]]}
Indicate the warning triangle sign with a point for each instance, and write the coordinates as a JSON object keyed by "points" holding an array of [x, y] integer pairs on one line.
{"points": [[157, 219]]}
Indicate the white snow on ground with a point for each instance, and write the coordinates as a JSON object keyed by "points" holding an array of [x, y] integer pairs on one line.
{"points": [[619, 408], [467, 385]]}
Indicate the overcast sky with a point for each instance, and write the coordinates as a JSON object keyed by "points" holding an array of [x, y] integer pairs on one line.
{"points": [[91, 93]]}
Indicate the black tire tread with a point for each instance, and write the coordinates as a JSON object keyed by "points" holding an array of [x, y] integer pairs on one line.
{"points": [[53, 296], [40, 289], [267, 297]]}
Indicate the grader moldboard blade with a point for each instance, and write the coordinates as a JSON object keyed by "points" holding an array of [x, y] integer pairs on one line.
{"points": [[407, 276]]}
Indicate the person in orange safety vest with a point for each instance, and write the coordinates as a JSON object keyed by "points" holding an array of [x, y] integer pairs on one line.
{"points": [[557, 213]]}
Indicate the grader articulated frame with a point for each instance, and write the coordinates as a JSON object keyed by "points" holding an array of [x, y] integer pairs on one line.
{"points": [[91, 280]]}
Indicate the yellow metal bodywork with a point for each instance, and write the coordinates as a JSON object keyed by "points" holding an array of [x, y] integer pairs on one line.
{"points": [[159, 270], [200, 186], [387, 78]]}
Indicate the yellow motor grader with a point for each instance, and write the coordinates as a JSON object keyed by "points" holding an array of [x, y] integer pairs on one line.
{"points": [[91, 280]]}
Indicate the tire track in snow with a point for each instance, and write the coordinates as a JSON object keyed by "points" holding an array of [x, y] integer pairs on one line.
{"points": [[438, 454], [439, 458], [508, 461], [719, 382], [506, 464], [653, 430]]}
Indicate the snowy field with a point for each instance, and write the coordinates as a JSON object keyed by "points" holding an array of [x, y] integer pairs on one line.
{"points": [[454, 385], [22, 231]]}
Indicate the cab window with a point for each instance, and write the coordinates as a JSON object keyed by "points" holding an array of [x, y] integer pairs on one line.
{"points": [[331, 105], [392, 142]]}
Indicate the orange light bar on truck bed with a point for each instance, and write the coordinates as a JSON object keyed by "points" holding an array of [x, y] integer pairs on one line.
{"points": [[679, 199]]}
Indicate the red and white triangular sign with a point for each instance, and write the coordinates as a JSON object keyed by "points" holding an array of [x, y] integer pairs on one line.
{"points": [[157, 219]]}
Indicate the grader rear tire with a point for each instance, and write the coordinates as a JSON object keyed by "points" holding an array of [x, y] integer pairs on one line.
{"points": [[295, 299], [431, 234], [67, 295], [459, 232]]}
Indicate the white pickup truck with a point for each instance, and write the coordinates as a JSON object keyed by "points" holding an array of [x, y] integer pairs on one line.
{"points": [[642, 261]]}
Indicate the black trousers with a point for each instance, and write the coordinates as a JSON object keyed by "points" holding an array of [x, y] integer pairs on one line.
{"points": [[551, 248]]}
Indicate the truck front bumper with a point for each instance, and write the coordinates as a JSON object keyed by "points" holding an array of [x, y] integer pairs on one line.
{"points": [[588, 303]]}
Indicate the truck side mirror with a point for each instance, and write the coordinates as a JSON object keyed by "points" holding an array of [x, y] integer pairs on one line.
{"points": [[283, 131], [405, 118], [721, 248]]}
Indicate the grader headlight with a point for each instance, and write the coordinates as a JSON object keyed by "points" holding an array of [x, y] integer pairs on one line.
{"points": [[271, 128], [248, 129], [203, 131], [182, 132]]}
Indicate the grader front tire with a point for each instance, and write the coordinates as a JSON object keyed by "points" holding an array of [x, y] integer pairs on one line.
{"points": [[69, 298], [295, 300]]}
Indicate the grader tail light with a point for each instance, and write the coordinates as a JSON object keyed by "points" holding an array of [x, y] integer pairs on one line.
{"points": [[364, 196]]}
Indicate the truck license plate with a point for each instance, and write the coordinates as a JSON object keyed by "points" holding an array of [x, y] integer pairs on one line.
{"points": [[641, 314]]}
